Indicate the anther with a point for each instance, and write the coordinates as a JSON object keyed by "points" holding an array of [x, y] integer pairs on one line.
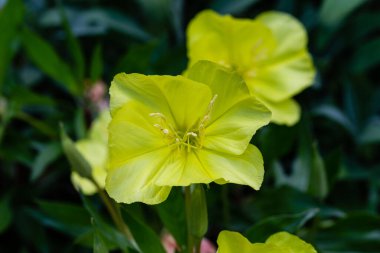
{"points": [[192, 134], [165, 131]]}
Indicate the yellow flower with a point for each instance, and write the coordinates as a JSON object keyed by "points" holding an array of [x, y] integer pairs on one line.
{"points": [[269, 52], [175, 131], [282, 242], [94, 150]]}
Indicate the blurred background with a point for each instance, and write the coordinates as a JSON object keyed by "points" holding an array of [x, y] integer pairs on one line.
{"points": [[57, 59]]}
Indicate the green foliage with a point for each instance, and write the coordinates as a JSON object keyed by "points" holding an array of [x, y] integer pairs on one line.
{"points": [[321, 176]]}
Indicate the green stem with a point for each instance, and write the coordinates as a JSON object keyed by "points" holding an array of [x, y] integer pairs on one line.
{"points": [[226, 205], [115, 213], [198, 246], [190, 238]]}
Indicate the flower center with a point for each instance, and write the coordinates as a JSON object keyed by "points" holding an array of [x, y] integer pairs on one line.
{"points": [[188, 139]]}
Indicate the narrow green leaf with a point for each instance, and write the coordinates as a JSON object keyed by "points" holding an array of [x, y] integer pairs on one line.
{"points": [[291, 223], [334, 11], [74, 48], [334, 114], [96, 69], [44, 56], [66, 217], [114, 20], [5, 213], [318, 185], [11, 16], [371, 133], [146, 238], [99, 245], [46, 155], [231, 7], [77, 161], [366, 57], [110, 235]]}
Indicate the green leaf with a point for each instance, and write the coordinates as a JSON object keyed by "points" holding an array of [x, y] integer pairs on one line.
{"points": [[172, 214], [146, 238], [318, 184], [334, 11], [24, 96], [371, 133], [43, 55], [114, 20], [66, 217], [366, 57], [285, 222], [99, 245], [231, 7], [96, 69], [309, 173], [11, 16], [78, 163], [46, 155], [334, 114], [110, 235], [357, 232], [5, 213], [74, 47]]}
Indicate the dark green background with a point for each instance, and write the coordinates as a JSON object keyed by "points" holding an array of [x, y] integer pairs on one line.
{"points": [[322, 175]]}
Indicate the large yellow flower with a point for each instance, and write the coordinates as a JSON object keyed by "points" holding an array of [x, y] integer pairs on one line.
{"points": [[282, 242], [175, 131], [269, 52], [94, 150]]}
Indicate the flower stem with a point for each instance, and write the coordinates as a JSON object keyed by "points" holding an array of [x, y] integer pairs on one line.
{"points": [[114, 211], [190, 238]]}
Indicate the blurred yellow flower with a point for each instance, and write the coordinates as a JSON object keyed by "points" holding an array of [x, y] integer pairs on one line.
{"points": [[282, 242], [94, 150], [175, 131], [270, 52]]}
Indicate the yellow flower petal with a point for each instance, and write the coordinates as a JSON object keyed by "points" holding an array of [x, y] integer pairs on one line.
{"points": [[98, 130], [269, 52], [231, 242], [83, 184], [227, 41], [179, 99], [135, 179], [232, 131], [289, 69], [188, 100], [283, 112], [137, 87], [132, 133], [184, 168], [205, 166], [245, 169], [291, 242], [96, 155], [282, 242], [235, 115], [184, 136], [203, 28]]}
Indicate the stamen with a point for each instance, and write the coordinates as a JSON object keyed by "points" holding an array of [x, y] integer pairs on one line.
{"points": [[165, 131], [158, 115], [192, 134]]}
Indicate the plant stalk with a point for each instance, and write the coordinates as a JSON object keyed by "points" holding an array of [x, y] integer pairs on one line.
{"points": [[190, 238]]}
